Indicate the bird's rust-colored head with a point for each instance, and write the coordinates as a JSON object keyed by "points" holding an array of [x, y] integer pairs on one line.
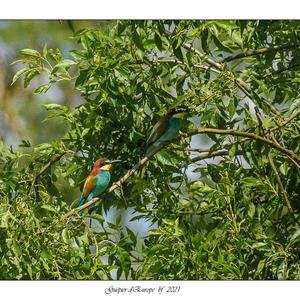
{"points": [[104, 164]]}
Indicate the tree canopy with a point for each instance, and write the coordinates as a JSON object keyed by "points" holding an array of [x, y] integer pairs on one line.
{"points": [[222, 198]]}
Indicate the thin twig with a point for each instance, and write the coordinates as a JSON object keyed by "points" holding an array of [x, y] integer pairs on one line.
{"points": [[259, 51], [281, 70], [288, 120], [46, 167], [200, 66], [216, 153]]}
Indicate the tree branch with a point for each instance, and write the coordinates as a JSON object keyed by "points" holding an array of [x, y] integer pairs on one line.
{"points": [[290, 154], [216, 153], [174, 61], [288, 120], [46, 167], [211, 62], [279, 71], [259, 51], [118, 183]]}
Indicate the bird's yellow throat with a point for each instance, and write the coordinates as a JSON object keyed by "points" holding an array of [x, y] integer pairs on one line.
{"points": [[106, 167], [180, 115]]}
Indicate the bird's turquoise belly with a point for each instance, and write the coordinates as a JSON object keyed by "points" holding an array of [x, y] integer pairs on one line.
{"points": [[102, 182]]}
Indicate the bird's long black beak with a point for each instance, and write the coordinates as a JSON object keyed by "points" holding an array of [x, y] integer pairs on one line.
{"points": [[114, 161], [182, 110], [186, 110]]}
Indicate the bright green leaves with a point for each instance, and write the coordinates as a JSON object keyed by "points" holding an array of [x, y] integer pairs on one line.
{"points": [[137, 39], [224, 217], [50, 61]]}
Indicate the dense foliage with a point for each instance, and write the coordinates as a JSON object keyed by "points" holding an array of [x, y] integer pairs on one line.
{"points": [[224, 202]]}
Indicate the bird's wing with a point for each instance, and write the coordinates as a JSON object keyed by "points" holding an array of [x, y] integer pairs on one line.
{"points": [[158, 130], [88, 185]]}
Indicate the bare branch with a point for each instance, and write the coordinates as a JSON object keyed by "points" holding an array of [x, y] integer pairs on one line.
{"points": [[259, 51], [216, 153], [290, 154]]}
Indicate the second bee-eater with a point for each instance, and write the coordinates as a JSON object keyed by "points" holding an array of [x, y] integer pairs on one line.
{"points": [[166, 129], [98, 180]]}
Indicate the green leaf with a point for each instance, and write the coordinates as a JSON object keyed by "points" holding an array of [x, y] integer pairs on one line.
{"points": [[157, 248], [131, 235], [62, 108], [296, 80], [125, 262], [45, 51], [46, 254], [65, 63], [219, 45], [29, 52], [137, 40], [84, 238], [16, 248], [49, 208], [184, 202], [43, 88], [295, 235], [177, 50], [158, 41], [29, 75], [65, 236], [281, 270], [118, 219], [251, 181], [52, 116], [260, 267], [204, 37], [98, 217], [251, 210], [18, 74], [259, 245], [233, 150]]}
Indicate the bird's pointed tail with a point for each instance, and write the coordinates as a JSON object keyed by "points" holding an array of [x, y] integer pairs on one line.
{"points": [[81, 201]]}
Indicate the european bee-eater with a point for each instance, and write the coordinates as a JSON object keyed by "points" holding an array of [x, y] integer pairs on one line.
{"points": [[166, 128], [98, 180]]}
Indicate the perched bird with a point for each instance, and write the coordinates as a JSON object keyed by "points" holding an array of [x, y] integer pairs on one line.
{"points": [[98, 180], [166, 128]]}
